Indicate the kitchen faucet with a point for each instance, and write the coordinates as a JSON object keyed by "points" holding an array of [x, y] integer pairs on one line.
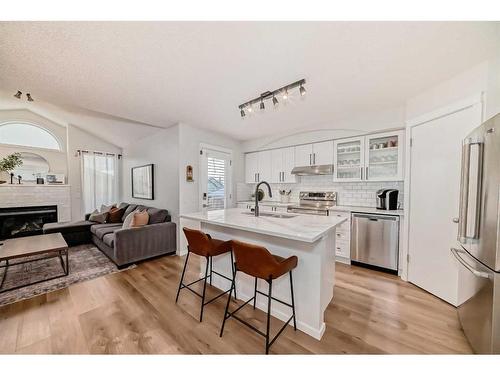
{"points": [[256, 209]]}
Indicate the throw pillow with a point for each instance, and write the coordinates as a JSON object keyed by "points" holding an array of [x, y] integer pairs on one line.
{"points": [[115, 215], [140, 219], [127, 223], [98, 217], [105, 208]]}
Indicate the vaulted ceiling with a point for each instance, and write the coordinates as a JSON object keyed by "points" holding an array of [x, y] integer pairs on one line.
{"points": [[161, 73]]}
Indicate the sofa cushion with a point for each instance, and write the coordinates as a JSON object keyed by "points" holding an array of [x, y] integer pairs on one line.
{"points": [[156, 215], [109, 239], [130, 208], [98, 217], [102, 229], [68, 227]]}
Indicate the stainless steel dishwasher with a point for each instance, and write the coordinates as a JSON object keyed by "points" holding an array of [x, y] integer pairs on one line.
{"points": [[375, 240]]}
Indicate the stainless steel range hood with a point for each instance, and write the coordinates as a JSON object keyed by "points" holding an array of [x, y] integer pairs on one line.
{"points": [[313, 170]]}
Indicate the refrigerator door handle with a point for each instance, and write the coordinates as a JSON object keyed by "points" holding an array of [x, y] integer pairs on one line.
{"points": [[471, 269], [464, 191]]}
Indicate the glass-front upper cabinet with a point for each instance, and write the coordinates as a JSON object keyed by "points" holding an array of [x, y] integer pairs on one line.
{"points": [[349, 155], [384, 156]]}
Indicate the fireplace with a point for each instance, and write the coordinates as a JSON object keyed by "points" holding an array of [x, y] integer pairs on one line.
{"points": [[25, 221]]}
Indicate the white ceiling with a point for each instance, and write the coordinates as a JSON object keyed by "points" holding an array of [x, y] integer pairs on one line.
{"points": [[161, 73]]}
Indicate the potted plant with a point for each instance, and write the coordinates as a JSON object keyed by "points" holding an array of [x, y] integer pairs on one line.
{"points": [[9, 163]]}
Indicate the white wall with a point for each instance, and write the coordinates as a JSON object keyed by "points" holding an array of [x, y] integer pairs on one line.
{"points": [[162, 150], [189, 154], [78, 139], [484, 77]]}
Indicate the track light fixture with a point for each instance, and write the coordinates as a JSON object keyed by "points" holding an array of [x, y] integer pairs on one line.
{"points": [[18, 94], [302, 90], [282, 91], [30, 99]]}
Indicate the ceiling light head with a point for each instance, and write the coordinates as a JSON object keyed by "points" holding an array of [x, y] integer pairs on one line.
{"points": [[285, 94], [275, 101], [30, 99], [18, 94], [242, 113], [302, 90], [262, 106]]}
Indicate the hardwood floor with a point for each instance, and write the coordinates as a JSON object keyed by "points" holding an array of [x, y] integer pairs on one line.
{"points": [[134, 312]]}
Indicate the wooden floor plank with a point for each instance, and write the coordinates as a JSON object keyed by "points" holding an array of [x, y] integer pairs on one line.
{"points": [[134, 311]]}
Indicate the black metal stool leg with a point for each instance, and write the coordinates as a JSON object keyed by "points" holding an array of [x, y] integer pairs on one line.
{"points": [[227, 304], [211, 262], [204, 289], [182, 277], [233, 268], [255, 294], [269, 314], [293, 302]]}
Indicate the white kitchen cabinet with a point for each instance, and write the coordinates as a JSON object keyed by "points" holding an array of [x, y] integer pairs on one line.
{"points": [[322, 153], [343, 237], [319, 153], [384, 156], [375, 157], [303, 155], [349, 159], [282, 163], [251, 167], [264, 172]]}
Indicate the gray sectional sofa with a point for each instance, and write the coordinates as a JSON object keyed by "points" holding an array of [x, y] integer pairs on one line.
{"points": [[123, 246]]}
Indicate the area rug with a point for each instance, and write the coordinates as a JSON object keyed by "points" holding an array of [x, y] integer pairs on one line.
{"points": [[86, 262]]}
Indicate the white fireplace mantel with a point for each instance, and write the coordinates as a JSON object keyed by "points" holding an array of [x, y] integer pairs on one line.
{"points": [[26, 195]]}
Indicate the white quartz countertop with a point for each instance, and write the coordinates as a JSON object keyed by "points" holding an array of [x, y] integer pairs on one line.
{"points": [[305, 228], [368, 210], [269, 203]]}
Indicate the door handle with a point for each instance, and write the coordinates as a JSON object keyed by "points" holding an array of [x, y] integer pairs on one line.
{"points": [[456, 220], [471, 269]]}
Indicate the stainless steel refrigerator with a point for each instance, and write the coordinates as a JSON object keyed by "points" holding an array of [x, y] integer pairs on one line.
{"points": [[478, 249]]}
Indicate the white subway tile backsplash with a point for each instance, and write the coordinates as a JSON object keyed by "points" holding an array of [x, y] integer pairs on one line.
{"points": [[348, 193]]}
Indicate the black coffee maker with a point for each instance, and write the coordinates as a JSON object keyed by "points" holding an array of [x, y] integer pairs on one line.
{"points": [[387, 199]]}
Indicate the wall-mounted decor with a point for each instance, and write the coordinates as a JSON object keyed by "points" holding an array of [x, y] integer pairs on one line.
{"points": [[189, 173], [33, 166], [143, 182]]}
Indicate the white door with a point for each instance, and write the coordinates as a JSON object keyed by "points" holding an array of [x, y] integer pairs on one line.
{"points": [[434, 200], [322, 153], [303, 155], [384, 156], [215, 179], [251, 167]]}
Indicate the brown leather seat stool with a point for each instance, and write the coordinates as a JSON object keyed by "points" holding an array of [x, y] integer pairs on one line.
{"points": [[258, 262], [203, 245]]}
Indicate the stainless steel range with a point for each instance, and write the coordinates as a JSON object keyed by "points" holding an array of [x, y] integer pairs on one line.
{"points": [[315, 203]]}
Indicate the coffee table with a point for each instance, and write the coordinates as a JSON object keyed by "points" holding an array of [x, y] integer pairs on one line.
{"points": [[50, 245]]}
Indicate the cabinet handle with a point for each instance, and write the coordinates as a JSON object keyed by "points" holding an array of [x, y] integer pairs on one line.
{"points": [[361, 172], [366, 173], [314, 158], [310, 159]]}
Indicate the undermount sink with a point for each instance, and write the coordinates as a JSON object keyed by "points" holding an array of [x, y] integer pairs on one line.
{"points": [[270, 214]]}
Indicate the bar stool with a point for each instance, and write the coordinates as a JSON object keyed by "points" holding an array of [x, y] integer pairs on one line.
{"points": [[203, 245], [258, 262]]}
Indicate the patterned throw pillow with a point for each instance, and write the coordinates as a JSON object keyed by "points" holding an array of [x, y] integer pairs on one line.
{"points": [[105, 208], [98, 217]]}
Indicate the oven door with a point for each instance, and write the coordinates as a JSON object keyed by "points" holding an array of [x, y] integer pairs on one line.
{"points": [[309, 211]]}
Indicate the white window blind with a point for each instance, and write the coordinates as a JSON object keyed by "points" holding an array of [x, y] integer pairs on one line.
{"points": [[216, 189]]}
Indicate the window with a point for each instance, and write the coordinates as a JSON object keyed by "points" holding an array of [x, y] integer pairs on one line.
{"points": [[22, 134], [99, 179]]}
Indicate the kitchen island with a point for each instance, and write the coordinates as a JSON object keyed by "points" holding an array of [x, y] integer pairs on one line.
{"points": [[311, 238]]}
